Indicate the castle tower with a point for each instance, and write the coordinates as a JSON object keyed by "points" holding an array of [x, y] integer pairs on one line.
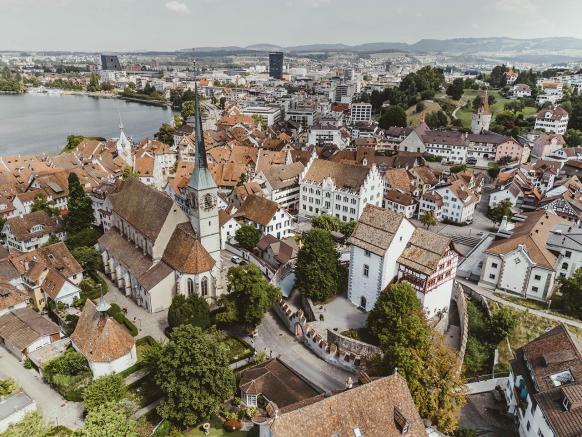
{"points": [[202, 196], [482, 118]]}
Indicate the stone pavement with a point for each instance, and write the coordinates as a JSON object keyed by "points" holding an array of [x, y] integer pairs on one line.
{"points": [[339, 315], [146, 322], [496, 298], [51, 405]]}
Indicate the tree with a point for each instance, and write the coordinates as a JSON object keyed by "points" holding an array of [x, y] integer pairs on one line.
{"points": [[31, 425], [88, 257], [428, 219], [53, 239], [84, 238], [188, 109], [455, 89], [317, 270], [110, 388], [399, 325], [502, 323], [93, 83], [248, 236], [458, 168], [193, 374], [464, 432], [497, 79], [128, 172], [80, 215], [165, 134], [437, 119], [419, 107], [570, 294], [251, 293], [326, 222], [393, 116], [41, 203], [192, 310], [502, 209], [573, 137], [107, 420]]}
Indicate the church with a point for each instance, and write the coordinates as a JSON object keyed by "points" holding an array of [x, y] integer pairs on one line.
{"points": [[152, 249]]}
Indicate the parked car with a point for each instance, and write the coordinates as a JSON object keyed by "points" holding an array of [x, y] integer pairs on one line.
{"points": [[471, 160], [236, 259]]}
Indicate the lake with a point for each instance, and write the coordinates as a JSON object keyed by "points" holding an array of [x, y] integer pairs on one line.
{"points": [[37, 123]]}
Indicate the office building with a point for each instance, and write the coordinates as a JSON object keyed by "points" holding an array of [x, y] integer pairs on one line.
{"points": [[276, 65]]}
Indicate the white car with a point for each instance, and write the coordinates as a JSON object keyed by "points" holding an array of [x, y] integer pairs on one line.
{"points": [[236, 259]]}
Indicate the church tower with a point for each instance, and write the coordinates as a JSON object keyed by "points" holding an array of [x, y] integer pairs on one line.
{"points": [[482, 118], [202, 196], [124, 146]]}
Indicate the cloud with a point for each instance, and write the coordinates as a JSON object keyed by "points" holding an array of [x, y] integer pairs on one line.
{"points": [[178, 7], [517, 6]]}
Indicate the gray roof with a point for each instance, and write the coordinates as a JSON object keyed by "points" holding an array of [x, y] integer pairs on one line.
{"points": [[376, 229], [13, 404], [565, 236]]}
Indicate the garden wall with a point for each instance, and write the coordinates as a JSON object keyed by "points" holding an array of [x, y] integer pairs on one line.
{"points": [[351, 345]]}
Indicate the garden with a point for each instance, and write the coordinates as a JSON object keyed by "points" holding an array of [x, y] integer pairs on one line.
{"points": [[68, 374]]}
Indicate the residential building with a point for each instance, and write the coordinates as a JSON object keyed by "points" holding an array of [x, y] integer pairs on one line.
{"points": [[281, 184], [393, 414], [108, 347], [267, 216], [11, 298], [511, 150], [521, 90], [228, 227], [24, 330], [360, 112], [459, 201], [386, 246], [543, 388], [402, 203], [565, 240], [326, 134], [511, 192], [522, 264], [277, 252], [545, 145], [431, 201], [341, 190], [31, 231], [268, 114], [450, 145], [553, 119]]}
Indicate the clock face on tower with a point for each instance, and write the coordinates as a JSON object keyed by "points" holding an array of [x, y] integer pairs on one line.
{"points": [[209, 202]]}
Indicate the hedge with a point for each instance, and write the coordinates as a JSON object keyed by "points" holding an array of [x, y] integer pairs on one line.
{"points": [[116, 312]]}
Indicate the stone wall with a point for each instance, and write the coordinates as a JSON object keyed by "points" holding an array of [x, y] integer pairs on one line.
{"points": [[307, 307], [459, 297], [351, 345], [298, 325]]}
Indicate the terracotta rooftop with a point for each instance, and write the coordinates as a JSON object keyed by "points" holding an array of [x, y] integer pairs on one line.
{"points": [[185, 254], [99, 337], [343, 175], [24, 326], [257, 209]]}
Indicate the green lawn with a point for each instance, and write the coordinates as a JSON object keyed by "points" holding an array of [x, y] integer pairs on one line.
{"points": [[216, 430], [238, 349], [412, 116], [466, 112]]}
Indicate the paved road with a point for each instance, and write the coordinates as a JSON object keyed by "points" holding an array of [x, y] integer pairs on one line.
{"points": [[146, 322], [496, 298], [53, 407], [273, 336]]}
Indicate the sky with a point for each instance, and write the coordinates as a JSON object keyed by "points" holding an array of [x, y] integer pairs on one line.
{"points": [[134, 25]]}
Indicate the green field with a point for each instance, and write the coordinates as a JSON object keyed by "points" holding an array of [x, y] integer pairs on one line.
{"points": [[466, 112]]}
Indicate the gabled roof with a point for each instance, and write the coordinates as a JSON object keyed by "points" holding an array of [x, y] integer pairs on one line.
{"points": [[184, 252], [24, 326], [376, 229], [10, 295], [21, 227], [143, 207], [343, 175], [257, 209], [99, 337], [376, 409], [424, 251]]}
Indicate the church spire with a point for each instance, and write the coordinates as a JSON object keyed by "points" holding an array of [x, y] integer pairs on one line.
{"points": [[201, 178]]}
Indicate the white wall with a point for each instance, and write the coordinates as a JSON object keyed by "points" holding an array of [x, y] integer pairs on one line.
{"points": [[115, 366]]}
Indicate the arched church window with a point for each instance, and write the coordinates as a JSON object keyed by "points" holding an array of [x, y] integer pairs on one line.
{"points": [[208, 201], [204, 286], [190, 287]]}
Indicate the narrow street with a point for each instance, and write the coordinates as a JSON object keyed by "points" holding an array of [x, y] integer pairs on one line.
{"points": [[273, 336], [51, 405]]}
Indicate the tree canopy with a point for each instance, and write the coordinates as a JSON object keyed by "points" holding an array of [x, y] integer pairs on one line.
{"points": [[317, 271], [393, 116], [251, 294], [456, 88], [248, 236], [80, 209], [192, 310], [399, 325], [428, 219], [502, 209], [107, 420], [570, 294], [193, 374], [110, 388], [41, 203]]}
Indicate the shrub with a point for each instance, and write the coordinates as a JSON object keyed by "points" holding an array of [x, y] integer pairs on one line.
{"points": [[233, 425], [71, 363], [7, 387], [106, 389], [27, 364], [116, 312]]}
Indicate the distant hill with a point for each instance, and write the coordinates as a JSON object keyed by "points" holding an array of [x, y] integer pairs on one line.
{"points": [[532, 46]]}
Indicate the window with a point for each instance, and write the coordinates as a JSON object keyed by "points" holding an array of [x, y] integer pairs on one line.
{"points": [[366, 270], [204, 286], [516, 260], [568, 254], [528, 426], [564, 266], [540, 433], [534, 289], [491, 276], [367, 253], [537, 277], [190, 287], [494, 265]]}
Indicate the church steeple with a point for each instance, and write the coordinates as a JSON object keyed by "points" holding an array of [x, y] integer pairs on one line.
{"points": [[201, 177]]}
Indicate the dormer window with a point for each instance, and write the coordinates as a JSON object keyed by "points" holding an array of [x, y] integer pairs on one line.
{"points": [[36, 228]]}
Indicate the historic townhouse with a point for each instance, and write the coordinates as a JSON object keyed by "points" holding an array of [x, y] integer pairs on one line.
{"points": [[281, 184], [337, 189], [449, 145], [522, 264], [267, 216], [459, 202], [543, 391], [387, 247], [31, 231], [553, 119]]}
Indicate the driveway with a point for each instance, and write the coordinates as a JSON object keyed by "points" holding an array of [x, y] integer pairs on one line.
{"points": [[147, 323], [53, 407], [274, 339]]}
